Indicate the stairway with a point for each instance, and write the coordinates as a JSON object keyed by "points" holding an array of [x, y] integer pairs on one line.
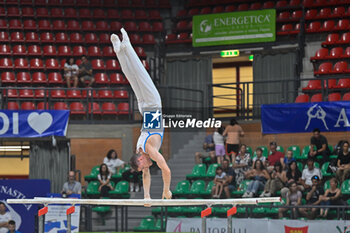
{"points": [[180, 164]]}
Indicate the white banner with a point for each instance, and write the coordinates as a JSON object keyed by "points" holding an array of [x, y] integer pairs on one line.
{"points": [[56, 219], [219, 225]]}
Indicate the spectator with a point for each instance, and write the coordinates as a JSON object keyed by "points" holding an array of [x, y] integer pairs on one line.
{"points": [[343, 163], [85, 72], [104, 178], [71, 186], [288, 159], [259, 176], [259, 156], [293, 175], [293, 197], [313, 198], [233, 133], [332, 196], [320, 142], [219, 181], [133, 177], [12, 227], [113, 162], [275, 156], [219, 144], [71, 71], [229, 184], [241, 163], [5, 217], [209, 149], [309, 172], [277, 181]]}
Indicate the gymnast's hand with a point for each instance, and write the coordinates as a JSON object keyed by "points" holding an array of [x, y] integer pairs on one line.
{"points": [[167, 194]]}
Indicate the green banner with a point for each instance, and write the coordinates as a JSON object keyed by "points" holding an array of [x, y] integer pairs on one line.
{"points": [[234, 28]]}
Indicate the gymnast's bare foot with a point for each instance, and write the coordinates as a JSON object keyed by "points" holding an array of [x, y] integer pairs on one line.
{"points": [[125, 35], [115, 42], [147, 200]]}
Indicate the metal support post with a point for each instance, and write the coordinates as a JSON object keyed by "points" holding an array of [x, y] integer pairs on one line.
{"points": [[230, 212], [204, 215], [41, 215], [69, 213]]}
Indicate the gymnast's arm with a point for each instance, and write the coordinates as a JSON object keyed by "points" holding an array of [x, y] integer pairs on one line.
{"points": [[146, 180]]}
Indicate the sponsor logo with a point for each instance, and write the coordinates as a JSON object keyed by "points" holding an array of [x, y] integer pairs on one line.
{"points": [[288, 229]]}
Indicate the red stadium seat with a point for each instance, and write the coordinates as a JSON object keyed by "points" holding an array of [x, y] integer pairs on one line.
{"points": [[101, 79], [135, 39], [314, 27], [23, 78], [29, 24], [89, 93], [113, 14], [324, 13], [88, 25], [102, 26], [82, 3], [295, 3], [131, 26], [340, 67], [21, 63], [79, 51], [140, 52], [26, 93], [311, 14], [11, 93], [17, 37], [4, 37], [73, 25], [77, 108], [123, 3], [345, 38], [56, 12], [105, 94], [39, 78], [334, 97], [347, 53], [283, 16], [343, 25], [109, 109], [145, 27], [98, 3], [112, 64], [327, 26], [27, 12], [52, 64], [76, 38], [170, 38], [137, 3], [255, 6], [108, 51], [52, 3], [324, 68], [62, 37], [42, 13], [243, 7], [346, 96], [104, 38], [55, 78], [91, 38], [338, 12], [40, 93], [123, 109], [2, 11], [64, 51], [320, 54], [6, 63], [94, 51], [193, 11], [296, 15], [5, 49], [205, 11], [121, 94], [60, 106], [157, 26], [44, 25], [7, 77], [316, 98], [181, 25], [3, 24], [70, 13], [343, 83], [36, 64], [13, 12], [268, 5], [220, 9], [27, 106], [127, 14], [332, 83], [98, 14], [117, 78], [12, 106], [47, 37], [58, 25], [31, 37], [336, 52], [74, 94], [49, 51], [85, 13], [154, 15], [148, 39], [331, 39], [281, 4], [96, 109], [67, 3], [313, 85], [115, 26], [98, 64]]}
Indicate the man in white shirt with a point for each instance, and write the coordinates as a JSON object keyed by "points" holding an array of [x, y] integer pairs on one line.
{"points": [[71, 72], [308, 173], [5, 217]]}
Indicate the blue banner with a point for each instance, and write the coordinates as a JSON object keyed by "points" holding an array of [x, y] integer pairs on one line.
{"points": [[30, 124], [23, 215], [304, 117]]}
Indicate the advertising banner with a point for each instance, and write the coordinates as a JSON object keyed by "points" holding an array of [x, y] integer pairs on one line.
{"points": [[23, 215], [304, 117], [29, 124], [234, 28]]}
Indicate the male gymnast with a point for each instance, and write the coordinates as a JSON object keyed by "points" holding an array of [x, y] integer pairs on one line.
{"points": [[148, 99]]}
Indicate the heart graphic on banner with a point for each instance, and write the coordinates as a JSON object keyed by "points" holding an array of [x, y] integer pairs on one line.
{"points": [[40, 122]]}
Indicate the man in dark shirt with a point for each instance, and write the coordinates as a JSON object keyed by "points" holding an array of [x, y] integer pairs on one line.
{"points": [[209, 150], [229, 184], [321, 144], [313, 198], [85, 72]]}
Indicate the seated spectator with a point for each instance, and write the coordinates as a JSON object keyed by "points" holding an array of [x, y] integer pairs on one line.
{"points": [[12, 227], [309, 172], [313, 198], [259, 176], [209, 150], [277, 181], [219, 142], [5, 217], [85, 72], [219, 180], [133, 177], [113, 162], [288, 159], [104, 178], [343, 163], [292, 175], [229, 184], [233, 132], [241, 163], [275, 156], [71, 71], [259, 156], [332, 196], [321, 144], [293, 197], [71, 186]]}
